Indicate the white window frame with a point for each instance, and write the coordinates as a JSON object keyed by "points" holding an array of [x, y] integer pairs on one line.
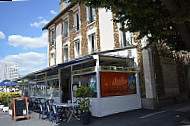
{"points": [[52, 59], [76, 24], [52, 37], [91, 50], [64, 47], [126, 41], [91, 15], [77, 48], [65, 28]]}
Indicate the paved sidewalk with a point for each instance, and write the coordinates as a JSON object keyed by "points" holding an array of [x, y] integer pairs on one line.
{"points": [[6, 120], [172, 116]]}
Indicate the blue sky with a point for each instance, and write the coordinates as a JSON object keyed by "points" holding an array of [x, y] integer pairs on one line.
{"points": [[21, 38]]}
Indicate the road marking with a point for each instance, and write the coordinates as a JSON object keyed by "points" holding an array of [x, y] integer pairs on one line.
{"points": [[152, 114]]}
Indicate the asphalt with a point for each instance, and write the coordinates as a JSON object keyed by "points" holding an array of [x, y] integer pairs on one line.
{"points": [[176, 115]]}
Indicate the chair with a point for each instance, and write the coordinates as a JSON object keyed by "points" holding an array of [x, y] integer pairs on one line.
{"points": [[46, 111], [41, 110], [77, 108], [50, 101], [56, 114]]}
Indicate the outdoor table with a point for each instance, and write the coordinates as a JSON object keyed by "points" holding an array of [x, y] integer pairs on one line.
{"points": [[70, 109]]}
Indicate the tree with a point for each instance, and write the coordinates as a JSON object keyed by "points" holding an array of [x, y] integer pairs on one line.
{"points": [[161, 21]]}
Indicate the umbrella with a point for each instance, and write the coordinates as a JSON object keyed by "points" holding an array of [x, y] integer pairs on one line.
{"points": [[12, 84], [8, 83]]}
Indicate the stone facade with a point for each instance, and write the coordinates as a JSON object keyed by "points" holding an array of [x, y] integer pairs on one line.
{"points": [[116, 34], [84, 42], [71, 35], [97, 30]]}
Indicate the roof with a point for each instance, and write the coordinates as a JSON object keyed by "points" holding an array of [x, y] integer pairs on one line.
{"points": [[75, 61], [59, 15]]}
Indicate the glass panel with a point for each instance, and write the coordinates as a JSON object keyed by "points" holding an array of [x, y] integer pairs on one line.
{"points": [[52, 37], [53, 88], [66, 53], [86, 81], [66, 29]]}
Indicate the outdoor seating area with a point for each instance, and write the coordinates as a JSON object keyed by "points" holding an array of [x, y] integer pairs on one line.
{"points": [[51, 111]]}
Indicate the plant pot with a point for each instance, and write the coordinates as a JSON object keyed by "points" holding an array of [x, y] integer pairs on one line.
{"points": [[5, 109], [86, 118], [1, 107], [10, 111]]}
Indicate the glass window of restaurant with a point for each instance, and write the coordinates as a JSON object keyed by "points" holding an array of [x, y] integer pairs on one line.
{"points": [[84, 75], [52, 88], [117, 76]]}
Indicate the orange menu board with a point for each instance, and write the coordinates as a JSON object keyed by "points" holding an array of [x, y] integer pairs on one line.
{"points": [[116, 83]]}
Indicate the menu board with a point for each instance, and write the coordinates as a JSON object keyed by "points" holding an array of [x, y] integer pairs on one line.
{"points": [[20, 108]]}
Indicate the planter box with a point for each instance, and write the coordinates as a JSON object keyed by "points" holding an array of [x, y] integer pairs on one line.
{"points": [[1, 107], [10, 111], [5, 109]]}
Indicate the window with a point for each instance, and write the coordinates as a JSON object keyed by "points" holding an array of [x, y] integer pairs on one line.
{"points": [[92, 43], [65, 28], [77, 49], [52, 35], [76, 22], [52, 59], [66, 53], [90, 15], [126, 40]]}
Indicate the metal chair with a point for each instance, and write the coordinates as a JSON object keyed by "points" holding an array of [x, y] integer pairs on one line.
{"points": [[57, 114], [77, 108], [46, 111]]}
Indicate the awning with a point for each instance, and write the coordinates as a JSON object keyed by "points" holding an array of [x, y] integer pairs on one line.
{"points": [[75, 61], [34, 83]]}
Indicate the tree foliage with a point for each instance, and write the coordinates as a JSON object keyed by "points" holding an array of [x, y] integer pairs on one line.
{"points": [[150, 18]]}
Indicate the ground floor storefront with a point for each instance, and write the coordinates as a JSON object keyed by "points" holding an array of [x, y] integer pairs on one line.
{"points": [[113, 75]]}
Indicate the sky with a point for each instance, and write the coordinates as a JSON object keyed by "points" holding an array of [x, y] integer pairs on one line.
{"points": [[21, 37]]}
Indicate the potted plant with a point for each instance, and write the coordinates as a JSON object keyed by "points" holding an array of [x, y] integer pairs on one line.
{"points": [[85, 93]]}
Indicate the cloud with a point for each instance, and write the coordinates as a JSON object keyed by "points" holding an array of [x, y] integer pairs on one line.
{"points": [[40, 17], [53, 12], [2, 35], [40, 23], [27, 62], [28, 42]]}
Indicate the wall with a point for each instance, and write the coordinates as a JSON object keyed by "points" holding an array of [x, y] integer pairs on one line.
{"points": [[106, 30], [170, 76], [112, 105], [58, 43]]}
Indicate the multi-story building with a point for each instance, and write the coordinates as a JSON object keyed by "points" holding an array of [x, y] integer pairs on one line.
{"points": [[8, 71], [86, 48], [78, 31]]}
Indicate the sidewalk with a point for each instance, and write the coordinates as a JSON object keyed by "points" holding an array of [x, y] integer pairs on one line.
{"points": [[171, 116]]}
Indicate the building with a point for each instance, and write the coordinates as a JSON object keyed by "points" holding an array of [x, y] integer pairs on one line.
{"points": [[78, 31], [8, 71], [86, 48]]}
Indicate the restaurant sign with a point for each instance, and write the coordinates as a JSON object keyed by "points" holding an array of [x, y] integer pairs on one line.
{"points": [[84, 70], [124, 69], [47, 78]]}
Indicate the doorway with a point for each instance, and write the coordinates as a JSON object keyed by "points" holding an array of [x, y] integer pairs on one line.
{"points": [[66, 84]]}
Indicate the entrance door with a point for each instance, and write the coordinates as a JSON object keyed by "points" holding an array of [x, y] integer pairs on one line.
{"points": [[66, 84]]}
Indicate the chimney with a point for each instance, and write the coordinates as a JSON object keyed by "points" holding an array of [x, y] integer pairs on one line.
{"points": [[62, 5]]}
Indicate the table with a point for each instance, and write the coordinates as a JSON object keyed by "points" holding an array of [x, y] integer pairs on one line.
{"points": [[70, 109]]}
